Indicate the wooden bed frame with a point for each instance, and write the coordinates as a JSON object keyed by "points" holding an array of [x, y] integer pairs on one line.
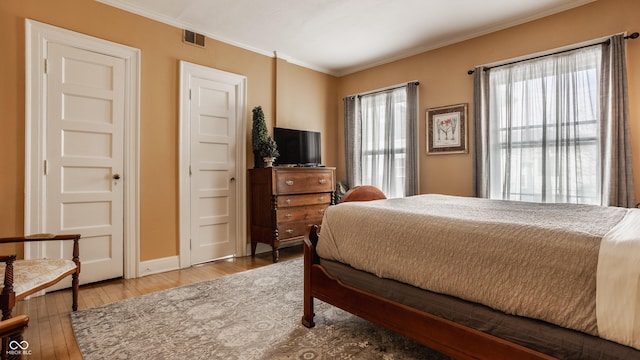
{"points": [[445, 336]]}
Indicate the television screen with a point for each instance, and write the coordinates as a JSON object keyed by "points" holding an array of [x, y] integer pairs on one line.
{"points": [[297, 147]]}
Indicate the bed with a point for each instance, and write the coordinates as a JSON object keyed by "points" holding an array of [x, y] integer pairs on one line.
{"points": [[476, 278]]}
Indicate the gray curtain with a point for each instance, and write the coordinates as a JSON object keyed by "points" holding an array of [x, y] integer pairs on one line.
{"points": [[351, 140], [411, 166], [481, 172], [617, 175]]}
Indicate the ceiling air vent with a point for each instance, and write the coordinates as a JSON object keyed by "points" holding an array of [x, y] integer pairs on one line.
{"points": [[193, 38]]}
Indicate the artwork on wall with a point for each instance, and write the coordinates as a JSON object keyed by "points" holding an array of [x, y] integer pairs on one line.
{"points": [[447, 130]]}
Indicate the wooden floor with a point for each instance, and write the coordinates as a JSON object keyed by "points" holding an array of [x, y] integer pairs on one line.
{"points": [[50, 335]]}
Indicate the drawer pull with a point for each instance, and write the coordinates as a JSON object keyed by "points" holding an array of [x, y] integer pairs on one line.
{"points": [[321, 211], [289, 182], [322, 181], [321, 198], [288, 201], [288, 216], [289, 231]]}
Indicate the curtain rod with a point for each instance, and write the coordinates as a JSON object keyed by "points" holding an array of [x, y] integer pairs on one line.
{"points": [[635, 35], [393, 87]]}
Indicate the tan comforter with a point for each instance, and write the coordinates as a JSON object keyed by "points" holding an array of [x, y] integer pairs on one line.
{"points": [[533, 260]]}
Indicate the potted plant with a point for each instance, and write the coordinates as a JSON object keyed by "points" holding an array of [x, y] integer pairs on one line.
{"points": [[259, 135], [269, 151]]}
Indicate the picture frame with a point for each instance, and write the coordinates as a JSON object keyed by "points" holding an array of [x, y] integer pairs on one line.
{"points": [[447, 130]]}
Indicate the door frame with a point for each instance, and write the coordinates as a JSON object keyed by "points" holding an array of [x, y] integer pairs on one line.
{"points": [[188, 70], [37, 36]]}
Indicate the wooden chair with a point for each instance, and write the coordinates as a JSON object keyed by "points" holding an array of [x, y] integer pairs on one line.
{"points": [[26, 277], [363, 193], [11, 331]]}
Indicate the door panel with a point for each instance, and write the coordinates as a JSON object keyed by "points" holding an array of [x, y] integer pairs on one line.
{"points": [[84, 154], [213, 147]]}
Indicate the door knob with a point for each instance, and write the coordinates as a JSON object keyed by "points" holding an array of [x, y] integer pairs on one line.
{"points": [[116, 176]]}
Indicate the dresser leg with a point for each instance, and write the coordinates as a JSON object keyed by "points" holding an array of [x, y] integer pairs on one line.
{"points": [[276, 255], [254, 244]]}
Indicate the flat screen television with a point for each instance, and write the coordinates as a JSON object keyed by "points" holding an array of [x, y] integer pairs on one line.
{"points": [[297, 147]]}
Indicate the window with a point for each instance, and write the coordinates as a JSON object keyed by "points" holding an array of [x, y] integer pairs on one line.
{"points": [[381, 140], [384, 140], [544, 133]]}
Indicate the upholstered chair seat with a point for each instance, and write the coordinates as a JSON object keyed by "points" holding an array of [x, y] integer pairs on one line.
{"points": [[39, 273]]}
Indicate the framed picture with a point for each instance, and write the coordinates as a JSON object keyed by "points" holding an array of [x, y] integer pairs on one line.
{"points": [[447, 130]]}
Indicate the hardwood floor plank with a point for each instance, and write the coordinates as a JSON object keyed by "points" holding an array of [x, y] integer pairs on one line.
{"points": [[55, 322], [68, 340], [46, 335], [50, 334]]}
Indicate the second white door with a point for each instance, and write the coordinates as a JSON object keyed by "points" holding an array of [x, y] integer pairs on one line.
{"points": [[213, 111]]}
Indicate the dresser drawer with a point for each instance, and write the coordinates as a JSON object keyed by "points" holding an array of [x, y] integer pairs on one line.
{"points": [[308, 199], [296, 182], [314, 212], [295, 229]]}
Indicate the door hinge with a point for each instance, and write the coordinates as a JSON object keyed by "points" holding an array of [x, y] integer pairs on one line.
{"points": [[189, 170], [189, 94], [45, 65], [190, 244], [46, 167]]}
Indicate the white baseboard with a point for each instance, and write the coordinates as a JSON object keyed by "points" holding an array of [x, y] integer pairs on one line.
{"points": [[170, 263], [261, 248], [156, 266], [264, 248]]}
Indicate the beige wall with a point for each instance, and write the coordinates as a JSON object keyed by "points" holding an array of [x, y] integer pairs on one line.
{"points": [[444, 81], [314, 108], [161, 48]]}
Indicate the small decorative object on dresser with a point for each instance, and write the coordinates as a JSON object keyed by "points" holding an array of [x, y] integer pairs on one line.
{"points": [[286, 202], [269, 151]]}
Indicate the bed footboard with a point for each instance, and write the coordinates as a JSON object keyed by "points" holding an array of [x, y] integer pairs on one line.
{"points": [[434, 332]]}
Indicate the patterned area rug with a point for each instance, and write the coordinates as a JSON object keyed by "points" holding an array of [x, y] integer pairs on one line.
{"points": [[250, 315]]}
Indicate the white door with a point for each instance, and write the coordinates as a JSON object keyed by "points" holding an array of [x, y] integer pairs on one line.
{"points": [[212, 164], [213, 157], [85, 96]]}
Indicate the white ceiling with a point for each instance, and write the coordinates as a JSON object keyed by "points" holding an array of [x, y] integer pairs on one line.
{"points": [[339, 37]]}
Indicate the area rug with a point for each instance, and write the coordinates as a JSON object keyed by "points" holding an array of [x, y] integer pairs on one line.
{"points": [[249, 315]]}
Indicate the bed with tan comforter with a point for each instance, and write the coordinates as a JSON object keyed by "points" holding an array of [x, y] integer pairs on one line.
{"points": [[576, 266]]}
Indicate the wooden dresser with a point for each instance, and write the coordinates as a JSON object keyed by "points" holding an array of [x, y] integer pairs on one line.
{"points": [[286, 202]]}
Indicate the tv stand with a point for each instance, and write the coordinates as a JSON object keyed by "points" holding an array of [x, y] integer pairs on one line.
{"points": [[286, 202]]}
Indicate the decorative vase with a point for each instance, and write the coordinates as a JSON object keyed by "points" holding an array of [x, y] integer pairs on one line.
{"points": [[268, 161]]}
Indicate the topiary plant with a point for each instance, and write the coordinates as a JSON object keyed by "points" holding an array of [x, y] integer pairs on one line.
{"points": [[269, 149], [259, 133]]}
